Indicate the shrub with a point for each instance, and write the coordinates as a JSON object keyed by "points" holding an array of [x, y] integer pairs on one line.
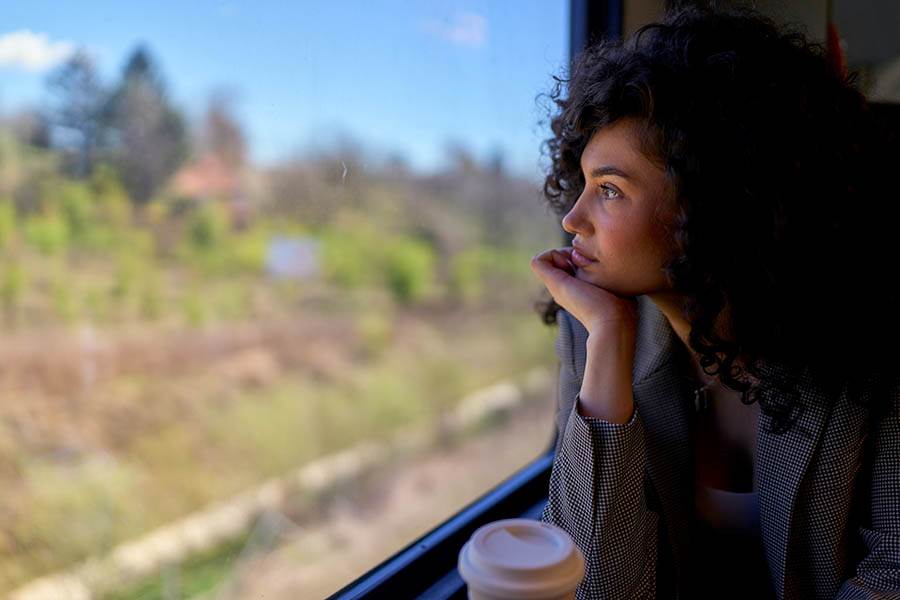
{"points": [[347, 258], [12, 289], [113, 206], [75, 202], [409, 269], [47, 233], [208, 227], [466, 272], [7, 222]]}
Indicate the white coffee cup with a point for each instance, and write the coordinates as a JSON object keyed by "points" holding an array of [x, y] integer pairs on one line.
{"points": [[523, 559]]}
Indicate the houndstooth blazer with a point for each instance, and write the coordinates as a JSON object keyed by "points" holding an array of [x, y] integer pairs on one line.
{"points": [[829, 500]]}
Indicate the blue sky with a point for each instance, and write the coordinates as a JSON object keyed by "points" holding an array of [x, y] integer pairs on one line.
{"points": [[405, 76]]}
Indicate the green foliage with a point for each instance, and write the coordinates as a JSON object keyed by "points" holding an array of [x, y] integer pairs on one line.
{"points": [[96, 303], [376, 330], [208, 228], [508, 264], [7, 222], [71, 215], [211, 246], [472, 269], [466, 273], [267, 434], [347, 258], [200, 574], [248, 251], [76, 204], [48, 233], [130, 271], [390, 399], [141, 243], [113, 206], [446, 379], [64, 300], [101, 493], [233, 300], [150, 300], [194, 308], [409, 269], [356, 254], [12, 288]]}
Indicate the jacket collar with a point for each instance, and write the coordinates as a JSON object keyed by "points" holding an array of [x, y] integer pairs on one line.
{"points": [[656, 343]]}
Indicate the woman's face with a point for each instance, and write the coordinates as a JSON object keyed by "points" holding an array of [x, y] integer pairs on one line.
{"points": [[621, 216]]}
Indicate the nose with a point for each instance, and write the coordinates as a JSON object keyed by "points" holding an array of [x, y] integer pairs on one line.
{"points": [[573, 222]]}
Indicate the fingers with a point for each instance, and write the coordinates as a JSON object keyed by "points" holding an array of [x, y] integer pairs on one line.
{"points": [[553, 267], [544, 266], [548, 259], [559, 257], [562, 260]]}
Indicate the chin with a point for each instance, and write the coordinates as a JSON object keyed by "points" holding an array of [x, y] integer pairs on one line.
{"points": [[591, 277], [623, 291]]}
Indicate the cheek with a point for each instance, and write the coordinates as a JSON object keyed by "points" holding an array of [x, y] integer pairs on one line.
{"points": [[628, 241], [632, 255]]}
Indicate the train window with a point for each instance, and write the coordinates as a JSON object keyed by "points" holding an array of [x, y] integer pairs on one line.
{"points": [[267, 311]]}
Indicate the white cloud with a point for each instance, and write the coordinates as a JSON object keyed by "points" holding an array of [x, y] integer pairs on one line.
{"points": [[466, 29], [30, 51]]}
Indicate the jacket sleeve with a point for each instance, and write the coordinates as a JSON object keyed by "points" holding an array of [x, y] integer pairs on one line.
{"points": [[877, 575], [597, 493]]}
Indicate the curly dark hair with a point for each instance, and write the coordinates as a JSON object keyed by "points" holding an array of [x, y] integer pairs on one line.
{"points": [[781, 171]]}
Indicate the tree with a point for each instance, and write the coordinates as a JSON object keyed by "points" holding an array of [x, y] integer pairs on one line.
{"points": [[460, 157], [30, 127], [149, 139], [222, 134], [75, 115]]}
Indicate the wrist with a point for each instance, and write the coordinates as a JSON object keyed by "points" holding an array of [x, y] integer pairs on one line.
{"points": [[611, 343], [617, 415], [606, 386]]}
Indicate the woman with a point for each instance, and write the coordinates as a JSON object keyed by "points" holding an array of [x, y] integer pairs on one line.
{"points": [[729, 411]]}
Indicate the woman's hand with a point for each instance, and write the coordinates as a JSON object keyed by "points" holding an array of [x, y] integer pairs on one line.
{"points": [[596, 308], [611, 322]]}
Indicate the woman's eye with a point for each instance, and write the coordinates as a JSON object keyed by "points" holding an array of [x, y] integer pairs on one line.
{"points": [[608, 191]]}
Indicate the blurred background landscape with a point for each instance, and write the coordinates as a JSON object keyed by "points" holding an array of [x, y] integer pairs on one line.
{"points": [[197, 296]]}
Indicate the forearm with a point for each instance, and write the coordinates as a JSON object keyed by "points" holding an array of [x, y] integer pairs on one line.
{"points": [[596, 490], [606, 391], [597, 495]]}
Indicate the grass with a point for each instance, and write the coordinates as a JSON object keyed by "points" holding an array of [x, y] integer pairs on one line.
{"points": [[201, 574], [214, 444]]}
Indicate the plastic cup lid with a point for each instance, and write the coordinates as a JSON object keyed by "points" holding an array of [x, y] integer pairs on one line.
{"points": [[524, 558]]}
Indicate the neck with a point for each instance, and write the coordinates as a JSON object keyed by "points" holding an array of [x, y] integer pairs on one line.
{"points": [[671, 305]]}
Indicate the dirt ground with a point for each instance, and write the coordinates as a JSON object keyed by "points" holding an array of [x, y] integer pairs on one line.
{"points": [[314, 561]]}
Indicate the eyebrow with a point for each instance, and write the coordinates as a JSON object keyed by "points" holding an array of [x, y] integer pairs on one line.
{"points": [[610, 170]]}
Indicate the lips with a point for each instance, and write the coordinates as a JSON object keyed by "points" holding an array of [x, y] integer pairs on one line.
{"points": [[580, 259]]}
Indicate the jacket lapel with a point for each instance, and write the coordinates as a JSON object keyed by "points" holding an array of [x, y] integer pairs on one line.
{"points": [[782, 461], [665, 414], [665, 408]]}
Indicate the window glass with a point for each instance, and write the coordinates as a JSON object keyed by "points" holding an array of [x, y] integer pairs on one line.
{"points": [[870, 36], [266, 306]]}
